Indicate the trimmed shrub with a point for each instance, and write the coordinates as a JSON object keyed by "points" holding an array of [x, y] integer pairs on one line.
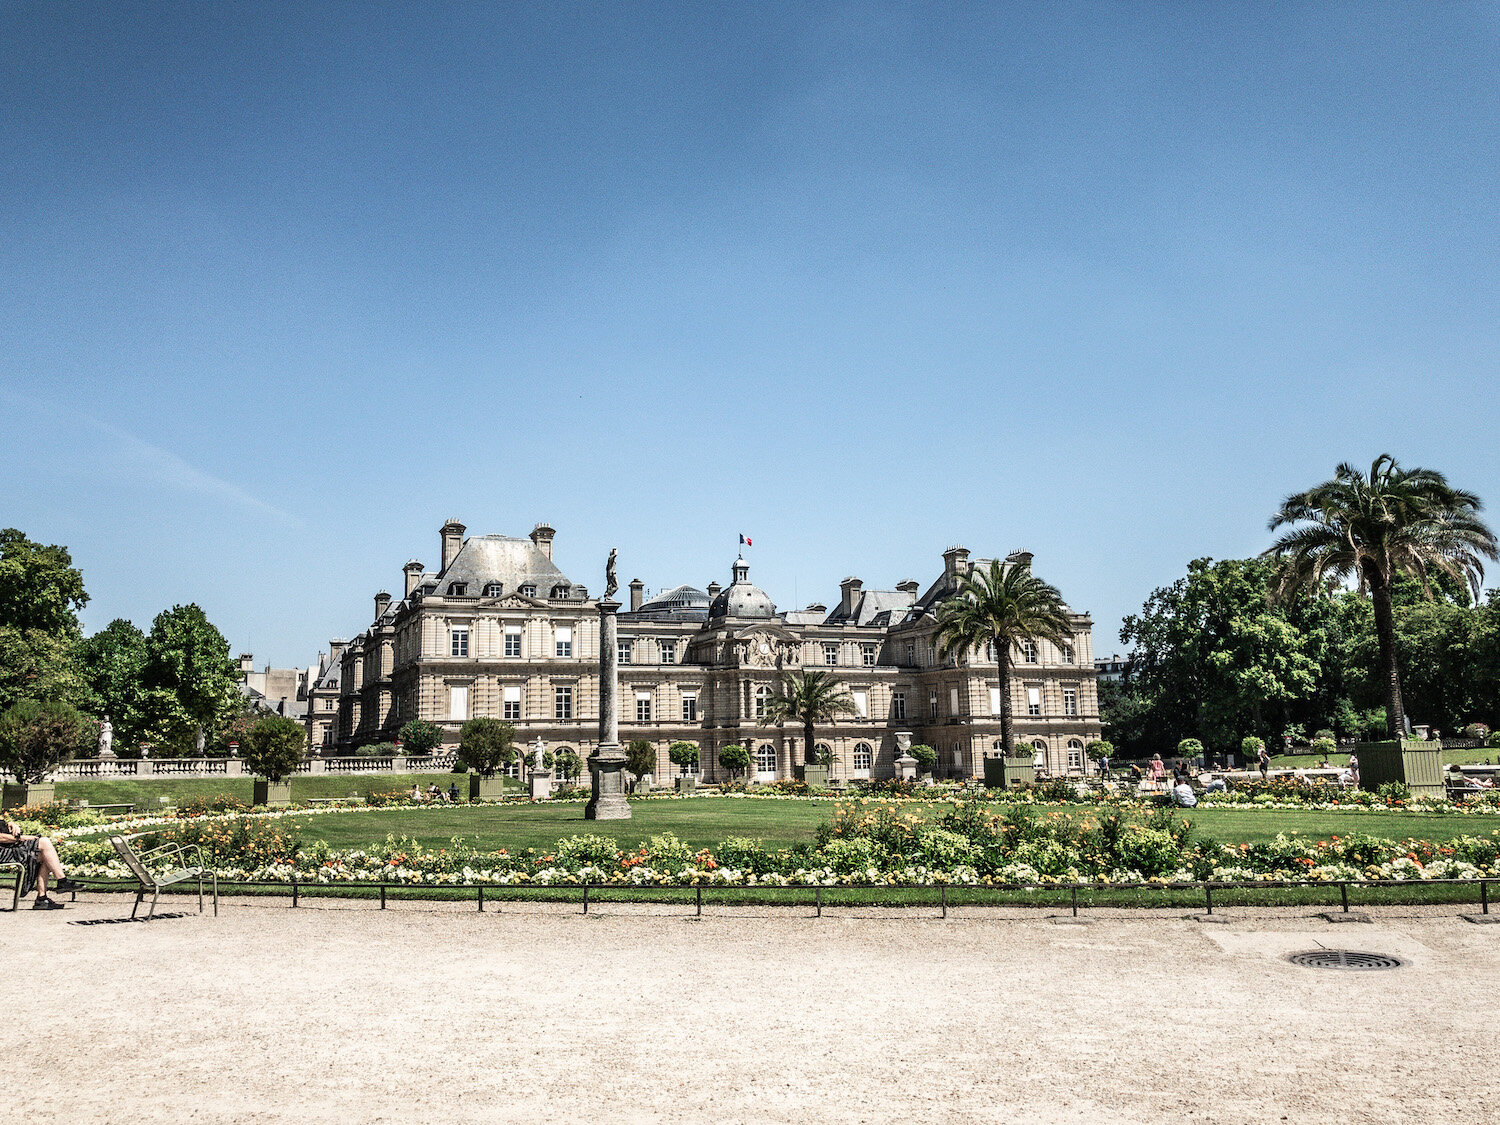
{"points": [[926, 757], [421, 737], [734, 758], [484, 745], [275, 747], [640, 757]]}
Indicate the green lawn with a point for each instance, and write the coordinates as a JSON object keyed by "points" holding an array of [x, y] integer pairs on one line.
{"points": [[704, 821], [146, 795]]}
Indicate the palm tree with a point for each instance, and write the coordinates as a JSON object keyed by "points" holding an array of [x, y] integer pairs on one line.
{"points": [[807, 698], [1373, 528], [1001, 606]]}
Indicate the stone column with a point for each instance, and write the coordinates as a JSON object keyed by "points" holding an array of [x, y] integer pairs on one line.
{"points": [[607, 762]]}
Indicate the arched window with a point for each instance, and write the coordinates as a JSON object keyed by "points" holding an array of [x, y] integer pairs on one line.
{"points": [[822, 754], [864, 756], [1075, 754], [765, 758], [997, 749]]}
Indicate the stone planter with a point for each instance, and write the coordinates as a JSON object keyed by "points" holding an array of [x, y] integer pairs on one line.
{"points": [[486, 788], [687, 785], [16, 794], [1418, 765], [815, 776], [272, 794]]}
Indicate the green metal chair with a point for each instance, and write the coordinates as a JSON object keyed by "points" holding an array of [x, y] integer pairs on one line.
{"points": [[20, 874], [172, 867]]}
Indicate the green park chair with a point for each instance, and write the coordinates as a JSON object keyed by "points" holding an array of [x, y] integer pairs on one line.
{"points": [[164, 866]]}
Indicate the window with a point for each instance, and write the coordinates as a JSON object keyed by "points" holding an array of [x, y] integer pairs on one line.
{"points": [[626, 650], [997, 749], [1028, 651], [994, 701], [1070, 701], [898, 706], [958, 755], [830, 653], [493, 589], [932, 704], [689, 707], [512, 640], [911, 652], [1075, 754], [458, 642], [561, 591], [989, 652], [765, 758], [868, 654], [668, 652], [864, 757], [564, 640], [822, 754], [458, 704], [511, 702], [528, 589], [1067, 654], [862, 704], [328, 705], [1033, 701], [953, 701], [643, 706], [762, 697], [562, 702], [458, 589]]}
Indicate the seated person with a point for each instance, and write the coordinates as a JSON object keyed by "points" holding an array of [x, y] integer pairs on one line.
{"points": [[1346, 779], [1215, 785], [416, 791], [1184, 797], [453, 792], [39, 863], [434, 793]]}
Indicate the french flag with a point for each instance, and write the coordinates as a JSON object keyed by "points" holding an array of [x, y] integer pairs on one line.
{"points": [[745, 541]]}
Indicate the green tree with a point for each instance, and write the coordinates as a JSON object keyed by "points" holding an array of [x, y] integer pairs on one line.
{"points": [[1371, 529], [37, 736], [640, 757], [1099, 749], [484, 745], [999, 607], [421, 737], [275, 746], [1213, 658], [808, 698], [926, 757], [41, 593], [187, 662], [113, 665], [569, 764], [734, 758], [683, 755]]}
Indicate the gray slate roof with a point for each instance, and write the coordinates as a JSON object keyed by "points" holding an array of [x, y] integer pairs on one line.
{"points": [[875, 608], [500, 558]]}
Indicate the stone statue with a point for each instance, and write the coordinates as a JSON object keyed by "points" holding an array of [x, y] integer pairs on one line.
{"points": [[106, 738], [611, 582], [538, 748]]}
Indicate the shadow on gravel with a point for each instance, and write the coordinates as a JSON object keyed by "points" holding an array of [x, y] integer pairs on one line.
{"points": [[118, 921]]}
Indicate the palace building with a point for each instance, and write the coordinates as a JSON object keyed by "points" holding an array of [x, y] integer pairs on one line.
{"points": [[498, 630]]}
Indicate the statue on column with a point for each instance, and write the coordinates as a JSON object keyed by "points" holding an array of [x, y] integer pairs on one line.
{"points": [[611, 583]]}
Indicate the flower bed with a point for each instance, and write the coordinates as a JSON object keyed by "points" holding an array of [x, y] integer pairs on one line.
{"points": [[867, 842]]}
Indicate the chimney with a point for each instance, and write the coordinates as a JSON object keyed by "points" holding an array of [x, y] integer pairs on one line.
{"points": [[247, 662], [413, 571], [1021, 557], [541, 537], [713, 590], [908, 586], [382, 603], [849, 588], [453, 539], [955, 562], [637, 593]]}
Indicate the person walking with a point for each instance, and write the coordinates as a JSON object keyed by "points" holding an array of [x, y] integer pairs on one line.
{"points": [[1264, 758], [1354, 769], [1158, 773]]}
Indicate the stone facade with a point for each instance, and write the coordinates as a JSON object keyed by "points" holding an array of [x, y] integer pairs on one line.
{"points": [[498, 630]]}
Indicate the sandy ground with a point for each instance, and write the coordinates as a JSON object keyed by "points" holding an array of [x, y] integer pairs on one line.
{"points": [[339, 1012]]}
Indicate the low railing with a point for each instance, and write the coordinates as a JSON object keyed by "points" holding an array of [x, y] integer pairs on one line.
{"points": [[1068, 893]]}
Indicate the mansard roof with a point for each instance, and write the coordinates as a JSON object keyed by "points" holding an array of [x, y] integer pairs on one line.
{"points": [[500, 558], [875, 608]]}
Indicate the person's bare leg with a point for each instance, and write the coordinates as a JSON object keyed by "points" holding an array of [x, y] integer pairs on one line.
{"points": [[49, 867]]}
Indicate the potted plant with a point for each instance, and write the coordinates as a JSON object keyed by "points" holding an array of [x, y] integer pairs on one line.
{"points": [[274, 747], [36, 738], [684, 755], [484, 746], [640, 759]]}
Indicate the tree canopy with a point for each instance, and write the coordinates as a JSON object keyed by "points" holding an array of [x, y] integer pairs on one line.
{"points": [[275, 746], [807, 698], [484, 745], [41, 593]]}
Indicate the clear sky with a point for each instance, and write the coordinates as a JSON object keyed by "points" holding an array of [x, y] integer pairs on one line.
{"points": [[287, 285]]}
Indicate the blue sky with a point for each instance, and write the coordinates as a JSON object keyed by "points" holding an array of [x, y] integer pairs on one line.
{"points": [[288, 285]]}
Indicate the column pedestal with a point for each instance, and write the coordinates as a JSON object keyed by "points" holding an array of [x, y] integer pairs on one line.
{"points": [[607, 762]]}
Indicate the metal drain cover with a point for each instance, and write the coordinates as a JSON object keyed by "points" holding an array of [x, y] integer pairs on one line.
{"points": [[1344, 959]]}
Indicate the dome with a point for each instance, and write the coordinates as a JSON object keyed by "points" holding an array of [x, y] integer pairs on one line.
{"points": [[742, 598], [678, 598]]}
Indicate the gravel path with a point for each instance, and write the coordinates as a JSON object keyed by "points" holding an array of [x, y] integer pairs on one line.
{"points": [[338, 1012]]}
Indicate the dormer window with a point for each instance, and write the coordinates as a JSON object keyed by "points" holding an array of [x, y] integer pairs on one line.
{"points": [[493, 589], [458, 589], [528, 590], [560, 591]]}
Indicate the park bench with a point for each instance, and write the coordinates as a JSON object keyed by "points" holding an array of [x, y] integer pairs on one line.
{"points": [[20, 874], [171, 861]]}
